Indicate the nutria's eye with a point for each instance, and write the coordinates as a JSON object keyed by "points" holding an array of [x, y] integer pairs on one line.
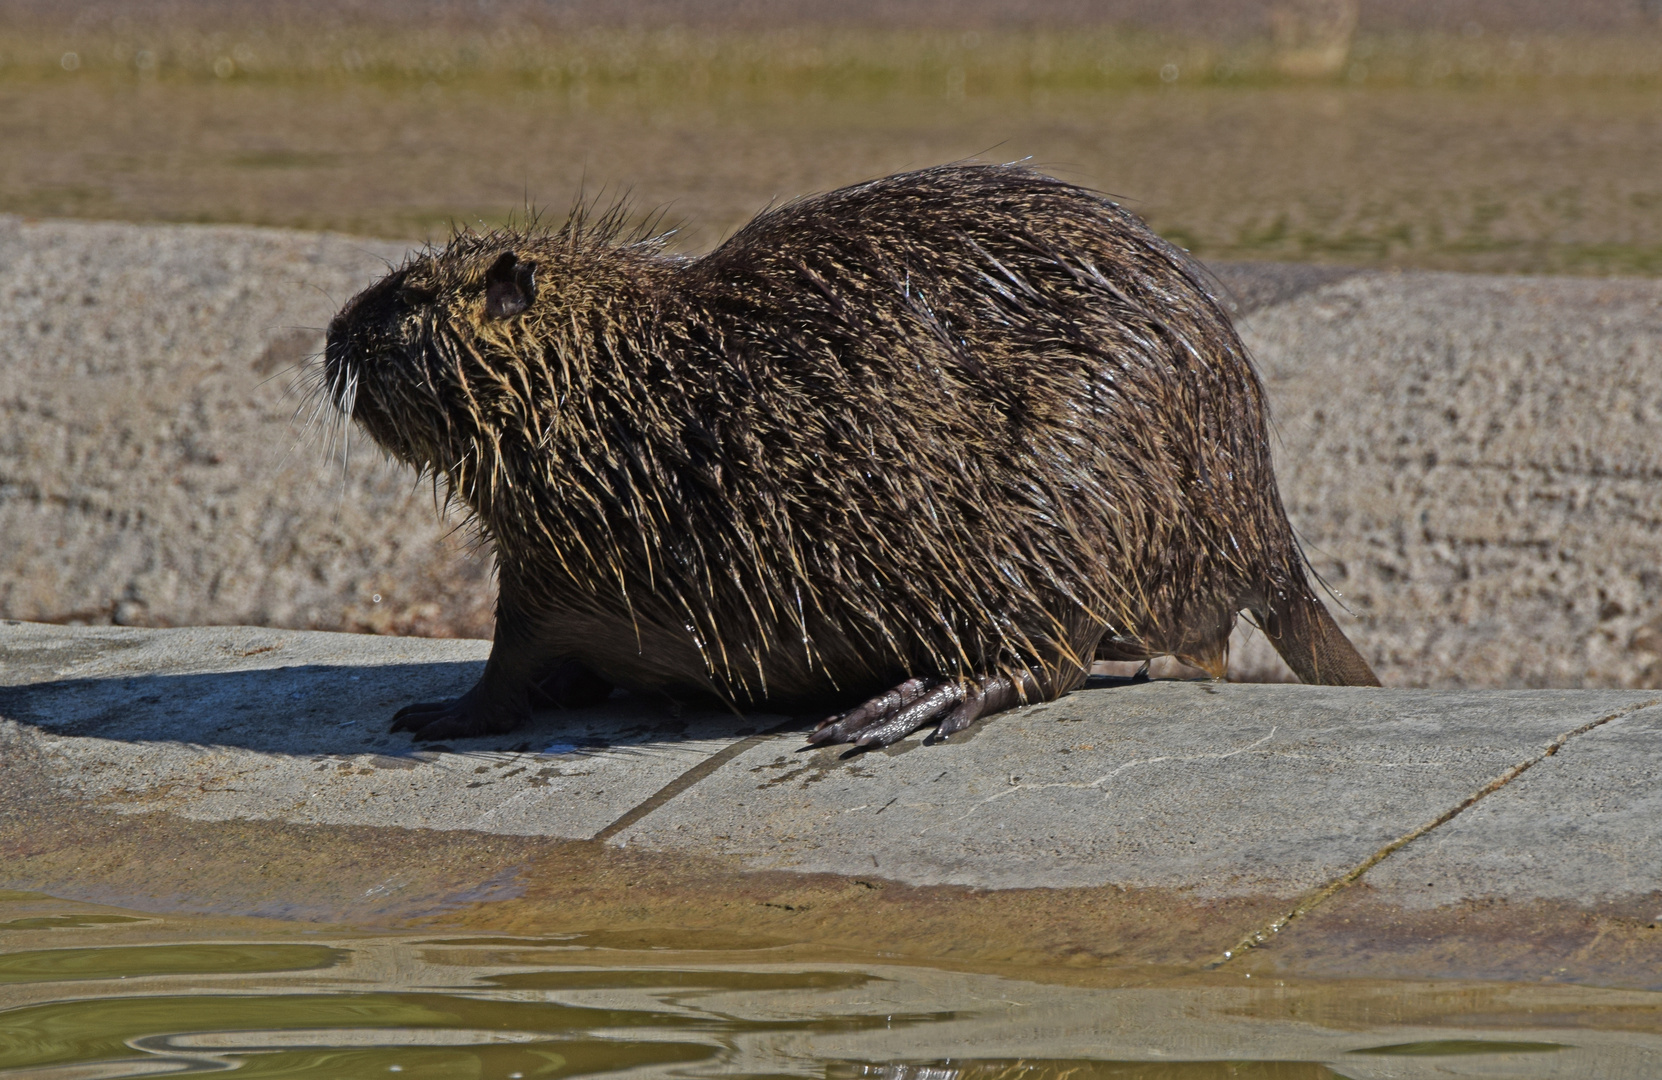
{"points": [[510, 286]]}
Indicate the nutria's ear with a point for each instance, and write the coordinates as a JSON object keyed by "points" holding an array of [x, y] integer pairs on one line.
{"points": [[510, 286]]}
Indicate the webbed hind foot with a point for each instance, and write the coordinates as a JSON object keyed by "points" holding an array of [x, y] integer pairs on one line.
{"points": [[895, 714]]}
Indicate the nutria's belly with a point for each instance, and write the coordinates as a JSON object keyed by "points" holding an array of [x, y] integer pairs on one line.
{"points": [[785, 689], [649, 658]]}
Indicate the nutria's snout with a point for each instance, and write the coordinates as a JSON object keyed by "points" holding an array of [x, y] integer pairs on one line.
{"points": [[337, 366], [365, 354], [347, 340]]}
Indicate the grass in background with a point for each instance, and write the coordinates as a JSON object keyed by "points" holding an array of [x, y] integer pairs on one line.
{"points": [[1449, 150], [715, 63]]}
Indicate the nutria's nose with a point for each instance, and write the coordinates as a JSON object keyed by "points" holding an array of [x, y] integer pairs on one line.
{"points": [[380, 301], [334, 343], [336, 337], [333, 335]]}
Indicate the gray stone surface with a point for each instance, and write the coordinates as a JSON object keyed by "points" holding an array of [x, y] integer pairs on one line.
{"points": [[160, 461], [1248, 286], [1471, 460], [1583, 826], [252, 724], [1210, 789], [1473, 463], [1223, 789]]}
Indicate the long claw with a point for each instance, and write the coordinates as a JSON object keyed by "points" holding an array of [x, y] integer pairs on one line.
{"points": [[474, 713], [961, 717], [995, 695], [415, 717], [839, 728], [895, 714], [912, 717]]}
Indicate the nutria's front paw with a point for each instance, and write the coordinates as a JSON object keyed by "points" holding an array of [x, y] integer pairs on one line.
{"points": [[470, 715]]}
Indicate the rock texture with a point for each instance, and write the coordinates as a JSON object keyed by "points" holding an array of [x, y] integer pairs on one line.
{"points": [[1474, 464], [159, 459]]}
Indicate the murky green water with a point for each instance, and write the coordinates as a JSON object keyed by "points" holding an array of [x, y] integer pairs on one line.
{"points": [[319, 1004]]}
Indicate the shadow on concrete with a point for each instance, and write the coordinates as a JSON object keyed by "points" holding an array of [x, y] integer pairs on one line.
{"points": [[319, 709]]}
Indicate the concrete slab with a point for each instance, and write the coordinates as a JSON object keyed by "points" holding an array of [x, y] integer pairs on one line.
{"points": [[1583, 826], [237, 723], [1227, 789], [1223, 789], [243, 770]]}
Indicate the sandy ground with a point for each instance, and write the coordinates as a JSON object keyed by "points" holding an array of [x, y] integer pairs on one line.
{"points": [[1471, 460], [158, 464], [1473, 464]]}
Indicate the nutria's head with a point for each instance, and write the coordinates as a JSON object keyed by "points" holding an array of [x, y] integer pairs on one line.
{"points": [[422, 358]]}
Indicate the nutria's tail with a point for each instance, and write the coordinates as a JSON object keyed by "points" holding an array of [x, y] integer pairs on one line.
{"points": [[1311, 642]]}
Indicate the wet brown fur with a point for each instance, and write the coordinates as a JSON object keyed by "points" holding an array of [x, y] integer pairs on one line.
{"points": [[960, 422]]}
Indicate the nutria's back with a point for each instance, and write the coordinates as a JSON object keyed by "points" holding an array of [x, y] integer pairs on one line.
{"points": [[968, 424]]}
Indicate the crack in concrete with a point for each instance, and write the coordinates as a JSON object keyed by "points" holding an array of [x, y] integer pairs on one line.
{"points": [[689, 778], [1319, 896], [1104, 778]]}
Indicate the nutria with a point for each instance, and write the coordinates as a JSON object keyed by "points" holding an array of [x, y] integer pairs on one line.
{"points": [[942, 438]]}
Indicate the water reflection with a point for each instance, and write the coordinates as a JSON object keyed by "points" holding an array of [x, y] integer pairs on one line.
{"points": [[122, 962], [517, 1032], [1089, 1070], [648, 1003]]}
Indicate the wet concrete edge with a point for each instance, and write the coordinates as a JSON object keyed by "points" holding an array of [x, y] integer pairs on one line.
{"points": [[377, 877]]}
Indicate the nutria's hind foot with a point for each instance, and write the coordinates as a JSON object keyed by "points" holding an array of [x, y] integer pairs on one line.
{"points": [[891, 716], [471, 715]]}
